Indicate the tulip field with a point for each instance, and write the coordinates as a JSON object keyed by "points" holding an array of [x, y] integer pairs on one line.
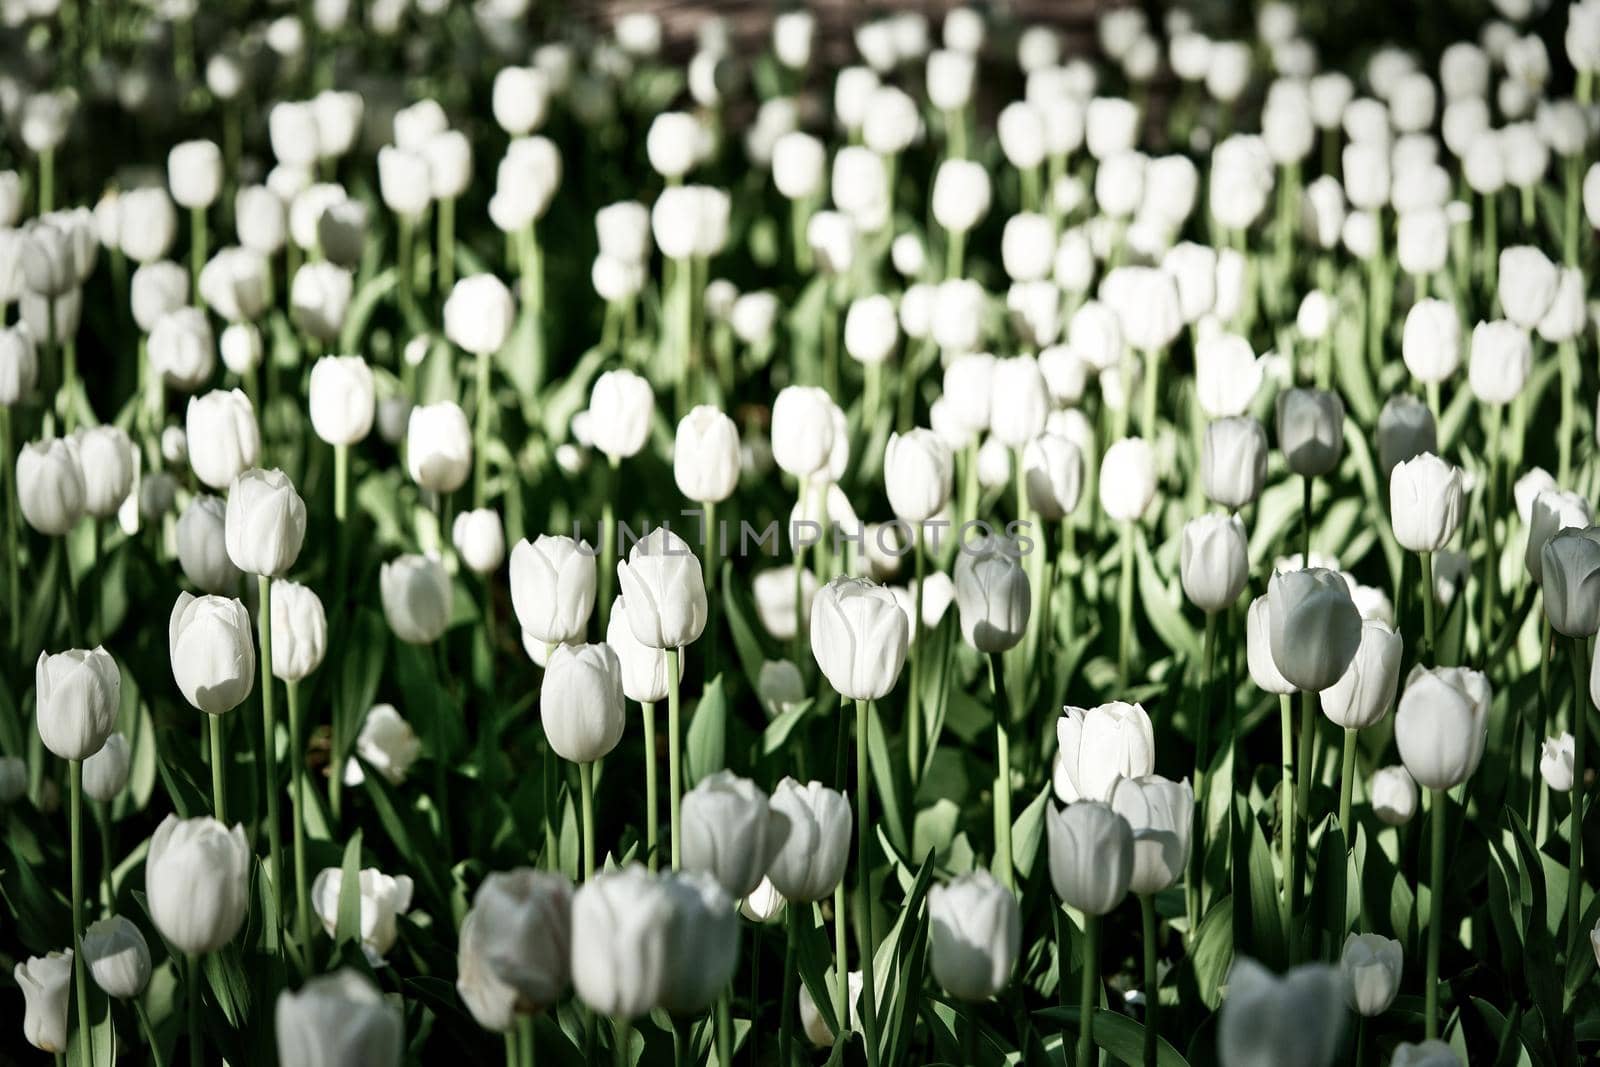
{"points": [[893, 535]]}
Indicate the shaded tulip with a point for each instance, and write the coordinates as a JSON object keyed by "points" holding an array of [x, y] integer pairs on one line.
{"points": [[196, 878], [702, 942], [974, 936], [1091, 855], [299, 631], [1405, 430], [521, 932], [338, 1018], [992, 594], [1393, 793], [1363, 694], [387, 744], [1430, 1053], [105, 774], [416, 598], [1052, 470], [1161, 815], [1310, 430], [117, 956], [203, 546], [811, 860], [1570, 580], [1553, 510], [731, 831], [1442, 725], [49, 486], [1268, 1021], [1258, 649], [1371, 966], [1213, 561], [1315, 628]]}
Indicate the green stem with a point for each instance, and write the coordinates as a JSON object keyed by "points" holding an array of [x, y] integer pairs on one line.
{"points": [[191, 998], [1491, 556], [841, 956], [1440, 800], [608, 547], [1087, 992], [914, 697], [219, 763], [1347, 774], [624, 1042], [586, 787], [14, 594], [149, 1033], [1427, 607], [1125, 604], [480, 434], [869, 944], [724, 1027], [447, 244], [786, 1010], [1152, 980], [1302, 830], [1286, 819], [197, 252], [674, 759], [652, 828], [1002, 779], [269, 745], [1580, 715], [1202, 761], [297, 771], [107, 857], [80, 976]]}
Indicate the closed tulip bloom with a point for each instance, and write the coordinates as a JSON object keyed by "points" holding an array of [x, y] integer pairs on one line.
{"points": [[1098, 745], [1567, 314], [705, 455], [1556, 762], [621, 405], [960, 195], [1091, 855], [1019, 401], [382, 899], [702, 942], [157, 288], [387, 744], [203, 547], [260, 218], [1431, 343], [266, 523], [338, 1018], [515, 954], [196, 880], [1213, 561], [194, 173], [146, 224], [1315, 628], [1527, 285], [917, 472], [665, 590], [1233, 461], [671, 144], [1426, 500], [581, 703], [416, 598], [299, 631], [859, 638], [731, 831], [1227, 375], [403, 181], [1501, 360], [479, 540], [621, 942], [449, 156], [49, 486], [811, 860], [871, 329], [343, 399], [1405, 430], [553, 587], [241, 348], [1371, 965], [439, 446], [1258, 632], [319, 298], [224, 440], [1570, 579], [105, 456], [1128, 479], [77, 694], [1363, 694], [105, 773], [1553, 510], [992, 593], [644, 669], [1442, 725], [974, 936], [1146, 302], [1161, 815], [212, 650], [520, 99], [19, 365], [1268, 1021], [117, 956], [1393, 793], [1310, 430], [478, 314], [1052, 471], [797, 165], [46, 984]]}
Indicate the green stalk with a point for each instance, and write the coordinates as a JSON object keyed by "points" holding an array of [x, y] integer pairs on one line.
{"points": [[447, 244], [1302, 831], [1427, 605], [14, 594], [1286, 815], [269, 747], [1440, 799], [407, 265], [149, 1033], [1002, 781], [869, 996], [480, 436], [1567, 358], [674, 758], [954, 253], [652, 830], [724, 1028], [914, 699], [525, 1042], [1347, 774], [107, 856], [1152, 378], [1580, 715], [47, 181], [786, 1010], [297, 772], [191, 998], [624, 1041], [197, 252], [219, 762], [586, 786], [1125, 604], [80, 978], [841, 955], [1087, 1057], [1202, 763], [1152, 981], [1491, 557]]}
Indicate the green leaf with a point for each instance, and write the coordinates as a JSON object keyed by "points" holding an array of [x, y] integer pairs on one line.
{"points": [[1161, 607], [231, 990], [1266, 921], [1027, 832], [1213, 951], [1121, 1036], [707, 738], [348, 927], [779, 729], [885, 775]]}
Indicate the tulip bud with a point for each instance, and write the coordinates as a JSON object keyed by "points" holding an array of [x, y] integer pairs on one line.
{"points": [[705, 456], [802, 430], [194, 174], [1371, 967], [156, 289], [106, 772], [1128, 479], [992, 593], [960, 195], [479, 540], [1362, 695], [1405, 431], [1556, 762], [1527, 285], [1502, 359], [343, 399], [439, 446], [223, 439], [1315, 629], [917, 473], [46, 984], [520, 99], [266, 523], [196, 877], [213, 655], [975, 936], [1310, 430], [1393, 794], [621, 406], [1161, 814], [665, 590], [1553, 511], [1213, 563], [797, 165], [77, 698], [1233, 461], [387, 744], [449, 156], [202, 546], [516, 946], [1442, 725], [478, 314], [1098, 745], [339, 1018], [117, 956], [1052, 468], [811, 860], [859, 638], [299, 631], [731, 831], [1570, 578], [105, 456], [403, 181], [416, 598], [19, 366], [319, 298], [1431, 344], [580, 702], [1425, 502], [1270, 1020], [553, 587], [1091, 853]]}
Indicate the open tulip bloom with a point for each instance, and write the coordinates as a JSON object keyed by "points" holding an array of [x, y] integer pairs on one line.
{"points": [[1104, 504]]}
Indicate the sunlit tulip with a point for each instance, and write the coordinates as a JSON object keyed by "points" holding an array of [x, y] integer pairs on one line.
{"points": [[1425, 502], [196, 878], [77, 696], [553, 587], [105, 774], [1091, 853], [382, 899], [478, 314], [665, 590], [1431, 342], [859, 638], [156, 289], [1570, 580], [1553, 510], [1363, 694], [439, 447], [974, 936], [811, 860], [1442, 725], [581, 702], [117, 956], [266, 522], [1269, 1020], [960, 197], [213, 652], [621, 937], [1128, 479], [46, 984], [415, 591], [1227, 375], [387, 744], [917, 473], [1233, 461], [202, 546], [299, 631], [1098, 745], [50, 486], [705, 455], [1052, 470], [1213, 563], [1258, 631], [338, 1018], [1556, 756], [1527, 285], [1161, 815], [319, 299]]}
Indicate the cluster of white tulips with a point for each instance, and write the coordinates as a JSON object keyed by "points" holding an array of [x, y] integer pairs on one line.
{"points": [[1229, 375]]}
